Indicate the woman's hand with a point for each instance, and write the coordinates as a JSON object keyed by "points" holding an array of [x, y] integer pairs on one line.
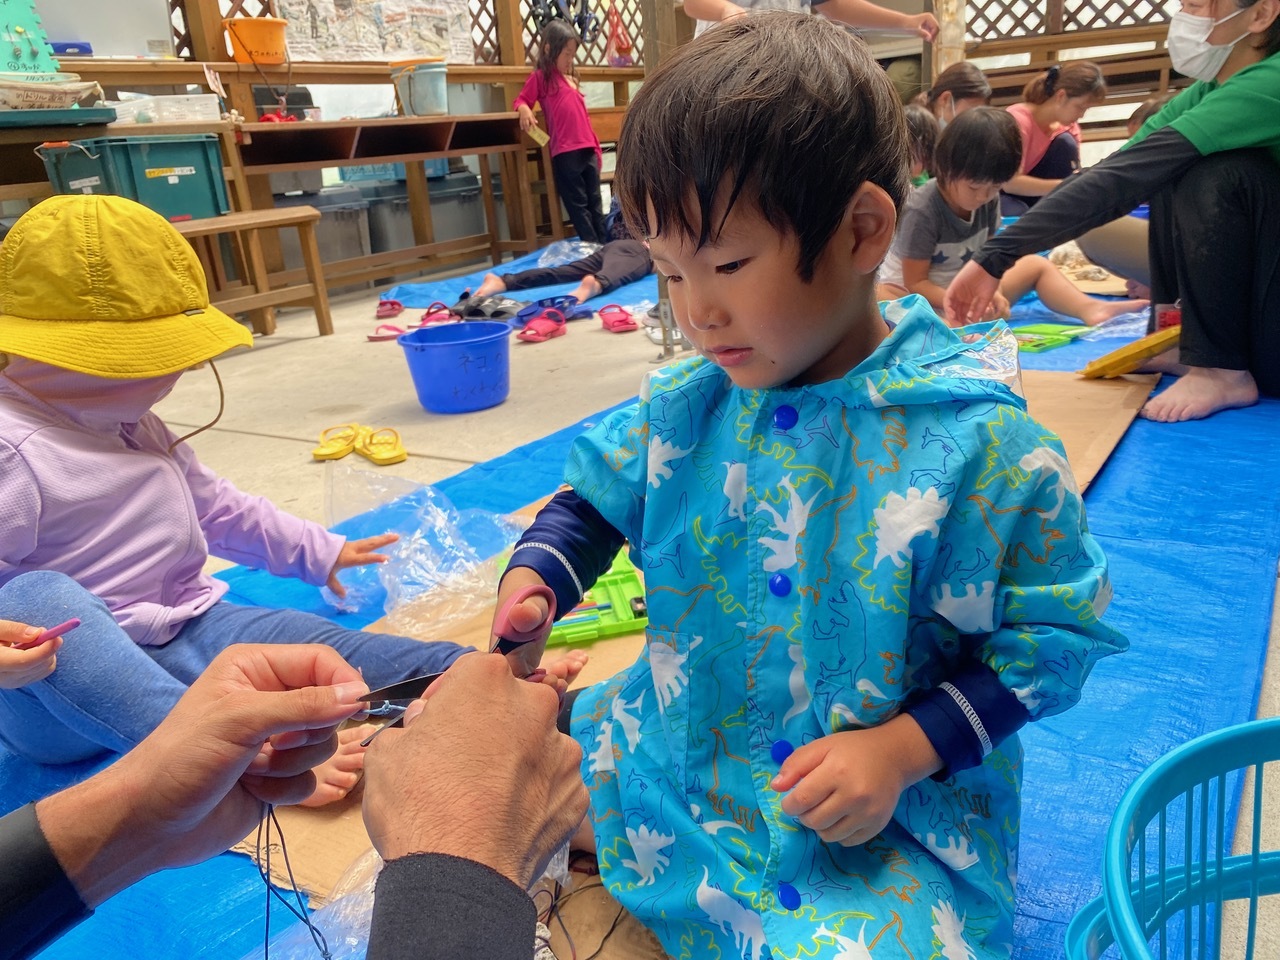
{"points": [[969, 295], [21, 667], [359, 553], [924, 24]]}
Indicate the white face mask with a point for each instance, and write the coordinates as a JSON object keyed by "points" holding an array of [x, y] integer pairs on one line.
{"points": [[1189, 47]]}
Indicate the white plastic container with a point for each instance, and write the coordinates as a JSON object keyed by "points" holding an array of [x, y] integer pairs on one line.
{"points": [[194, 108], [421, 87]]}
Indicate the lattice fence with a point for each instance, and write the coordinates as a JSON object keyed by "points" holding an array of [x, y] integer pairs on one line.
{"points": [[1011, 19], [484, 28]]}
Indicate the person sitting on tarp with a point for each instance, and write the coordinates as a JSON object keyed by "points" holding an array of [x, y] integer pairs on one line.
{"points": [[1209, 165], [246, 734]]}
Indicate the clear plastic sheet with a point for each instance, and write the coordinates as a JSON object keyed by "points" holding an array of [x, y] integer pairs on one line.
{"points": [[454, 555], [344, 921], [566, 251]]}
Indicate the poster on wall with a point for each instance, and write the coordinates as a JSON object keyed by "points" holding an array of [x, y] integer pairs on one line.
{"points": [[328, 30]]}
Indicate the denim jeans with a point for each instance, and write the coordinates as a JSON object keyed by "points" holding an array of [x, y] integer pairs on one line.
{"points": [[107, 692]]}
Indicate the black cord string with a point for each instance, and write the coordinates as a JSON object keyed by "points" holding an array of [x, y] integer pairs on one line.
{"points": [[264, 868]]}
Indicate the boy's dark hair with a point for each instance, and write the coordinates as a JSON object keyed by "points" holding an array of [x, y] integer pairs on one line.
{"points": [[1082, 78], [922, 133], [1147, 109], [982, 145], [785, 111], [554, 38]]}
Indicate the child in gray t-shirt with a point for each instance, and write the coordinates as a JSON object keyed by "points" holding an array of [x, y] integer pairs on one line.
{"points": [[947, 221]]}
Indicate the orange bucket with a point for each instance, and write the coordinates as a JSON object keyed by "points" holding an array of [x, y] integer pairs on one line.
{"points": [[256, 39]]}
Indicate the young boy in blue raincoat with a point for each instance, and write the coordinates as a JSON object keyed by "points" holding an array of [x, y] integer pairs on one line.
{"points": [[866, 566]]}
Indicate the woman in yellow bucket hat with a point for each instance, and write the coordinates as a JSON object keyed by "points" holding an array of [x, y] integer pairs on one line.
{"points": [[103, 305]]}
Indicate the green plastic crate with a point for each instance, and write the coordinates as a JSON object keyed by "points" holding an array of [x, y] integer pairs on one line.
{"points": [[178, 177], [613, 607]]}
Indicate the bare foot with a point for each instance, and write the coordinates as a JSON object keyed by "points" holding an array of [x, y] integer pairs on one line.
{"points": [[566, 668], [1203, 391], [588, 288], [338, 776], [585, 838], [1136, 290], [491, 284], [1166, 362], [1101, 311]]}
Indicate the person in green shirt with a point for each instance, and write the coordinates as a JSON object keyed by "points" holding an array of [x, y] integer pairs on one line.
{"points": [[1209, 165]]}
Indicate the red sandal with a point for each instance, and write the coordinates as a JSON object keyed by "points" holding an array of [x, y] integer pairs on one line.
{"points": [[547, 325], [616, 319], [436, 313], [388, 309], [386, 331]]}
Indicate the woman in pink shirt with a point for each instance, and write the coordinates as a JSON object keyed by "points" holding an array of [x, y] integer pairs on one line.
{"points": [[1049, 118], [575, 151]]}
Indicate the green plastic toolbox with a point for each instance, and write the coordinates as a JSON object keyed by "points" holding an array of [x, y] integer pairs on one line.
{"points": [[178, 177]]}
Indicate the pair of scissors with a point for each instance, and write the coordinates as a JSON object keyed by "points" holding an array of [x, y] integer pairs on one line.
{"points": [[392, 701]]}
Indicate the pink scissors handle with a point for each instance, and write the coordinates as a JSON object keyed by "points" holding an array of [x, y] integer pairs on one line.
{"points": [[508, 638]]}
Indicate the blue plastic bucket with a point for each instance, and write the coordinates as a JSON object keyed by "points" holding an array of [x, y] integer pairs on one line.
{"points": [[459, 367]]}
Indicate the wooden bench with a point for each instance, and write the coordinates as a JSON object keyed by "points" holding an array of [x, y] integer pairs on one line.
{"points": [[261, 302]]}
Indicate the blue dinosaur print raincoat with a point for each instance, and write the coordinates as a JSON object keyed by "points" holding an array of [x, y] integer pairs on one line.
{"points": [[813, 556]]}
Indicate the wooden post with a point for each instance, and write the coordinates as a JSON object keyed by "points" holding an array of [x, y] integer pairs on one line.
{"points": [[204, 20], [510, 42], [949, 47], [660, 34]]}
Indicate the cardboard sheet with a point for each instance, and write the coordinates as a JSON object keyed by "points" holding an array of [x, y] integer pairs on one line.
{"points": [[1089, 415]]}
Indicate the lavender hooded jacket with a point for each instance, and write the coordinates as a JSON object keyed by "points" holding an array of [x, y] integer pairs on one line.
{"points": [[89, 488]]}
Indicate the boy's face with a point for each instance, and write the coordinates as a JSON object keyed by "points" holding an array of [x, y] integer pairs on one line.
{"points": [[968, 195], [740, 301]]}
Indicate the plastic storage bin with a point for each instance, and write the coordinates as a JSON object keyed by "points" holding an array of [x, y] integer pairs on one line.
{"points": [[421, 87], [459, 367], [178, 177], [1170, 886], [342, 233], [391, 171], [456, 210]]}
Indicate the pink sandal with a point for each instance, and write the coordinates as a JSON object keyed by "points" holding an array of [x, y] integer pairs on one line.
{"points": [[547, 325], [386, 331], [388, 309], [616, 319], [436, 313]]}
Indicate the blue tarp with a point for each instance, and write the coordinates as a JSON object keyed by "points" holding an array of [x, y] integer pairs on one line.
{"points": [[1189, 515]]}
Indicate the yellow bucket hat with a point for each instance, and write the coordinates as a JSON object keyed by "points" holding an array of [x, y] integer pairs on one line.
{"points": [[105, 286]]}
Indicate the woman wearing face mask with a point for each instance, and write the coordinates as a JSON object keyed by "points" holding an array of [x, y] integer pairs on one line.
{"points": [[960, 87], [1209, 165], [1049, 122]]}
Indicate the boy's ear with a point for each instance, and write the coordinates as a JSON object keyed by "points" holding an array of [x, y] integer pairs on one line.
{"points": [[868, 226]]}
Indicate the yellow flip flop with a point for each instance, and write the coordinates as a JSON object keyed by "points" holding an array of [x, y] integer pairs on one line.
{"points": [[337, 442], [382, 447]]}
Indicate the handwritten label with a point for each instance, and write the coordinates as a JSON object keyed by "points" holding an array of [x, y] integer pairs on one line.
{"points": [[169, 173]]}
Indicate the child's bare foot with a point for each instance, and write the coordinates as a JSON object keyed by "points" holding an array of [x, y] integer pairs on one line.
{"points": [[1136, 290], [566, 668], [585, 838], [1201, 392], [588, 288], [338, 776], [1166, 362], [491, 284], [1101, 311]]}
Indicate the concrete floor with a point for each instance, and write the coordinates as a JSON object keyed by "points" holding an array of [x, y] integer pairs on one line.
{"points": [[293, 384], [281, 394]]}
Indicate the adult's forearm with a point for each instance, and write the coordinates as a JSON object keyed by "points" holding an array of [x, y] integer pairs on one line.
{"points": [[38, 902], [1089, 199]]}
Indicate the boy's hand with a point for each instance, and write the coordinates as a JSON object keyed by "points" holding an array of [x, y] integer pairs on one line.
{"points": [[923, 24], [358, 553], [524, 616], [999, 309], [846, 785], [21, 667]]}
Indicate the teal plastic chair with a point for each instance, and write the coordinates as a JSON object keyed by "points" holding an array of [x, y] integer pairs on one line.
{"points": [[1167, 868]]}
